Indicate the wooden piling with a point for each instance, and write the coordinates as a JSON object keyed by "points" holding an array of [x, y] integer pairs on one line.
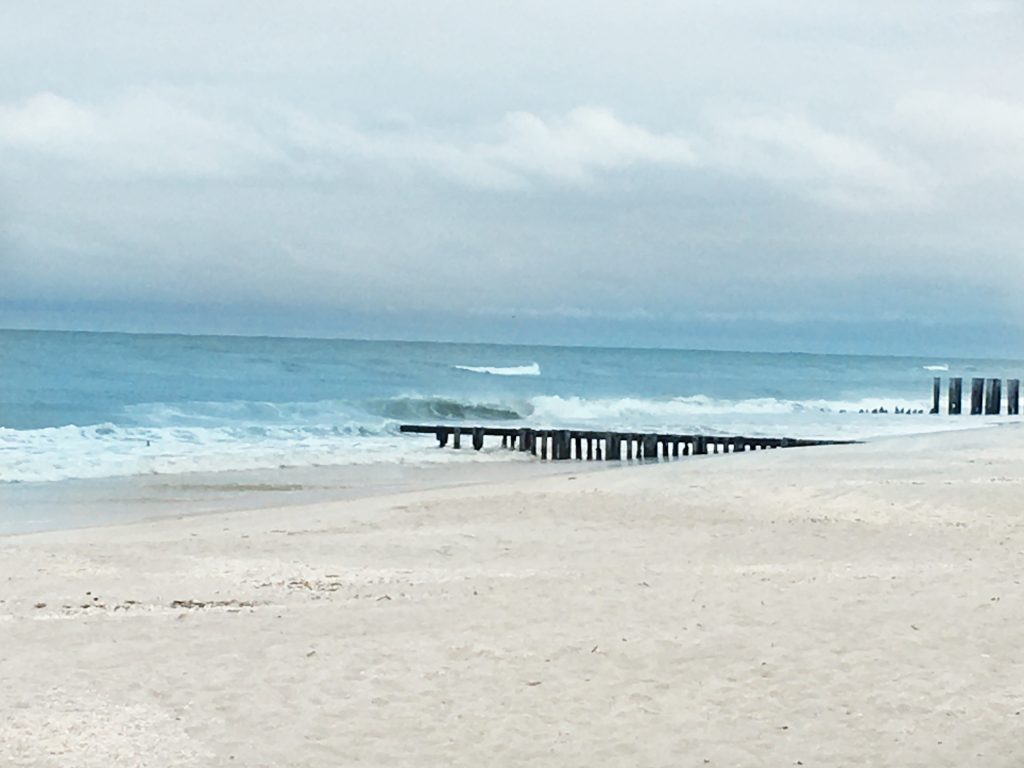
{"points": [[613, 446], [456, 438], [993, 397], [955, 396], [478, 438], [1013, 397], [590, 449], [936, 384], [675, 449], [442, 436], [563, 443], [977, 388], [650, 447], [739, 444], [629, 447]]}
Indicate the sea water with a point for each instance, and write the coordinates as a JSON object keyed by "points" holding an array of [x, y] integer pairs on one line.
{"points": [[100, 405]]}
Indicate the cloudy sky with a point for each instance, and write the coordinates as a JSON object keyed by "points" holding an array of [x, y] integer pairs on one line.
{"points": [[792, 174]]}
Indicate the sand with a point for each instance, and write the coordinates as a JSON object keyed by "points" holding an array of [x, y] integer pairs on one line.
{"points": [[840, 606]]}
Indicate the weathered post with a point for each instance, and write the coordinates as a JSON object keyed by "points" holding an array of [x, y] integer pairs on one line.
{"points": [[739, 444], [629, 447], [579, 447], [613, 446], [478, 438], [664, 448], [977, 386], [675, 449], [590, 449], [936, 384], [531, 437], [993, 397], [523, 447], [457, 438], [700, 445], [442, 437], [504, 441], [543, 444], [1013, 397], [955, 396], [564, 445], [650, 446]]}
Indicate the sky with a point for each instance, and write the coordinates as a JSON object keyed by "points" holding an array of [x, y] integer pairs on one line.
{"points": [[784, 175]]}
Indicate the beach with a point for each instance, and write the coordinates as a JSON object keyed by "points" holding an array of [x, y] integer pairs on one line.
{"points": [[831, 606]]}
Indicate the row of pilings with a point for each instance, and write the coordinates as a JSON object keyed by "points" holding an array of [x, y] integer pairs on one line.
{"points": [[986, 396], [589, 445]]}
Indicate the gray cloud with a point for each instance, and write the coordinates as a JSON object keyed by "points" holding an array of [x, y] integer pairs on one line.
{"points": [[785, 162]]}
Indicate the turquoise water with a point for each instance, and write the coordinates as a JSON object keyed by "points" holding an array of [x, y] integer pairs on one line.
{"points": [[88, 405]]}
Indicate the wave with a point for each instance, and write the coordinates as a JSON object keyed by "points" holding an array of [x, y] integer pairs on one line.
{"points": [[533, 369], [942, 367], [682, 410], [413, 408], [169, 438]]}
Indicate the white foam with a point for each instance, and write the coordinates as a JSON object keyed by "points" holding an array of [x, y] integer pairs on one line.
{"points": [[943, 367], [533, 369], [62, 453]]}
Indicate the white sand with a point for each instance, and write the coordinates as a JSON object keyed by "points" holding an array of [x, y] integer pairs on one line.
{"points": [[856, 605]]}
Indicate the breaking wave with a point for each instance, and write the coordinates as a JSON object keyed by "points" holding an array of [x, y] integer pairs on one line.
{"points": [[533, 369]]}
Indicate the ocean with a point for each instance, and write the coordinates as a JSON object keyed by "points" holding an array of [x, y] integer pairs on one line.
{"points": [[100, 405]]}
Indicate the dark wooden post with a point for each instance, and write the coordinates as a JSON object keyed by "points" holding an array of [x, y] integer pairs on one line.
{"points": [[629, 447], [442, 437], [597, 448], [739, 444], [590, 449], [977, 386], [714, 446], [664, 448], [993, 397], [523, 447], [457, 438], [531, 436], [675, 449], [566, 449], [504, 441], [613, 446], [955, 396], [700, 445], [650, 446], [1013, 397], [936, 384], [478, 438]]}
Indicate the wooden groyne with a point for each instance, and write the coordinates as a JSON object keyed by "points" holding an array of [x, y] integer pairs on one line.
{"points": [[986, 396], [564, 444]]}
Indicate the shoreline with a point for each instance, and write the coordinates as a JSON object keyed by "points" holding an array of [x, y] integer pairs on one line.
{"points": [[77, 503], [833, 606]]}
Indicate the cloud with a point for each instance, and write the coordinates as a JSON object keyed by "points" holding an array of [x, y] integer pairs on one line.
{"points": [[836, 168], [144, 133], [156, 134], [986, 132]]}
